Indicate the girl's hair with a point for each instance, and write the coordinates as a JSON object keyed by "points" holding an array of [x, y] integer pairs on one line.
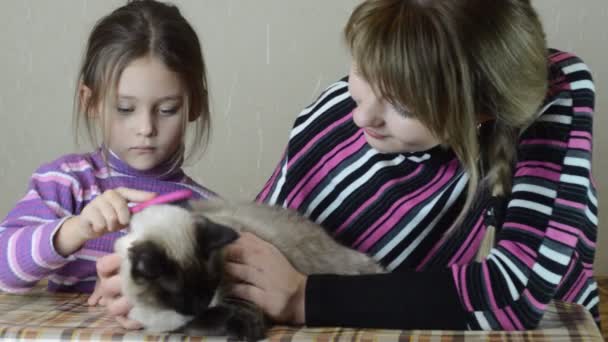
{"points": [[452, 62], [140, 29]]}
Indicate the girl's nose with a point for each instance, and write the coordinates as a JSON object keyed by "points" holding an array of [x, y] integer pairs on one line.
{"points": [[146, 125]]}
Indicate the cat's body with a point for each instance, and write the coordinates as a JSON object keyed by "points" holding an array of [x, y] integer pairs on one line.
{"points": [[172, 267]]}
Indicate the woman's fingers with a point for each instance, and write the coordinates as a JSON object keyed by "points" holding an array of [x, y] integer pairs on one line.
{"points": [[128, 323], [108, 265], [245, 273], [119, 306], [250, 293], [95, 297], [108, 281]]}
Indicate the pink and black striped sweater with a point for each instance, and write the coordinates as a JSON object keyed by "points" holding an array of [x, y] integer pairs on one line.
{"points": [[396, 207]]}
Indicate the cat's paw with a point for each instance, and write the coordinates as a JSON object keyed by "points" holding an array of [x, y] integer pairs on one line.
{"points": [[212, 322], [241, 321], [247, 323]]}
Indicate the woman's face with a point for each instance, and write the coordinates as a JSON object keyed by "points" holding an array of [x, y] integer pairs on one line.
{"points": [[386, 129]]}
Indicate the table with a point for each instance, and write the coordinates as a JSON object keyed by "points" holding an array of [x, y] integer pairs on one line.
{"points": [[40, 315]]}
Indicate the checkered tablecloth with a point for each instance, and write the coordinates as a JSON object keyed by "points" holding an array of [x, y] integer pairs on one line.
{"points": [[40, 315]]}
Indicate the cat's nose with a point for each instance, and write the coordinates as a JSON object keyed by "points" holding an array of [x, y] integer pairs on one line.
{"points": [[147, 261]]}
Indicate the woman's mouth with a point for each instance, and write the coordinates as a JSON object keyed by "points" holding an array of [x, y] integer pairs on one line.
{"points": [[373, 134]]}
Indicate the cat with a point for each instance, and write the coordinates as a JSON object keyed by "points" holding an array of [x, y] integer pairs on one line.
{"points": [[172, 268]]}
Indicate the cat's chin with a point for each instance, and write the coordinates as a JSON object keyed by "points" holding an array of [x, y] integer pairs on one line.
{"points": [[155, 320]]}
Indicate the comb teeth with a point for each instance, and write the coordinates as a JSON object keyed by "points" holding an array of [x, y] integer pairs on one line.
{"points": [[171, 197]]}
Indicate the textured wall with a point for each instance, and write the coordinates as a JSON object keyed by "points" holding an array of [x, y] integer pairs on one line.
{"points": [[267, 59]]}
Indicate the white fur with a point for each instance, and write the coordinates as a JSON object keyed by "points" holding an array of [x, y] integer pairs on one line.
{"points": [[156, 320], [152, 224]]}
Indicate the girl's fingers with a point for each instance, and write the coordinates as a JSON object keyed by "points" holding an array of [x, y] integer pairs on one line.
{"points": [[109, 214], [121, 209], [94, 218], [133, 195]]}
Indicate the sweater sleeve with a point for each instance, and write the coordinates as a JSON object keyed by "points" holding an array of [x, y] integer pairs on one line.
{"points": [[546, 241], [546, 245], [26, 234]]}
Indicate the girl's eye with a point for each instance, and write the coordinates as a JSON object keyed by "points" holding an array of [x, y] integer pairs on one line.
{"points": [[125, 110], [169, 111]]}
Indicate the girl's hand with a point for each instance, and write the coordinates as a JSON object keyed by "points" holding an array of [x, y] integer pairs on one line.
{"points": [[107, 213], [108, 291], [265, 277]]}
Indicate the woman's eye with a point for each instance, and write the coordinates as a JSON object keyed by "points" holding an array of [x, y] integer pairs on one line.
{"points": [[406, 113]]}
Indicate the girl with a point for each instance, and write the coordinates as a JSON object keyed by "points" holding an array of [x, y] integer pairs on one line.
{"points": [[455, 121], [143, 79]]}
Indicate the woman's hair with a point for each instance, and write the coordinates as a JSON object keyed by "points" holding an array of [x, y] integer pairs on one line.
{"points": [[136, 30], [452, 62]]}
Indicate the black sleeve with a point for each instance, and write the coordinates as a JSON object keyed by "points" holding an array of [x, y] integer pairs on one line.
{"points": [[400, 300]]}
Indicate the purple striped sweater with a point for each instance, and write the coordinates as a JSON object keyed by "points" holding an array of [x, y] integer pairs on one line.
{"points": [[57, 191], [396, 207]]}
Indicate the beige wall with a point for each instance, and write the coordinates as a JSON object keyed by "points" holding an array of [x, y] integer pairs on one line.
{"points": [[267, 59]]}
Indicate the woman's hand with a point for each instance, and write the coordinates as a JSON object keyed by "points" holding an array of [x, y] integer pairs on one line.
{"points": [[108, 291], [265, 277], [107, 213]]}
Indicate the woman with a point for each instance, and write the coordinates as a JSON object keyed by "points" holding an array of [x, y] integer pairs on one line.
{"points": [[455, 121]]}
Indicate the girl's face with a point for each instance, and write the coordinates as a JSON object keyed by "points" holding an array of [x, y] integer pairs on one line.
{"points": [[386, 129], [146, 126]]}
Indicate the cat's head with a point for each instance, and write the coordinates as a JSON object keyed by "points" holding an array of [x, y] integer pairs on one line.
{"points": [[171, 259]]}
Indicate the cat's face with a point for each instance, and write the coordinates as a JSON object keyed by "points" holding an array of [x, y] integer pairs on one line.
{"points": [[170, 259]]}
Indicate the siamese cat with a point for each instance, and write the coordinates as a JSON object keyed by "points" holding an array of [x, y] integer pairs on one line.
{"points": [[172, 268]]}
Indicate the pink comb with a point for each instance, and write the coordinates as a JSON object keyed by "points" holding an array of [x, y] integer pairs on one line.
{"points": [[171, 197]]}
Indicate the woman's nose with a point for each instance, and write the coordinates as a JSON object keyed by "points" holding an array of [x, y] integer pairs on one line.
{"points": [[367, 116]]}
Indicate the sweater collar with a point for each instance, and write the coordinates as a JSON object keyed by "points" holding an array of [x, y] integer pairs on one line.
{"points": [[171, 169]]}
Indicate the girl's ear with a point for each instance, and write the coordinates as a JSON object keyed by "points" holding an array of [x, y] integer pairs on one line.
{"points": [[84, 97], [192, 116]]}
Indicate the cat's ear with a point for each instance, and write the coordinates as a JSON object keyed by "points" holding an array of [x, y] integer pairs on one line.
{"points": [[213, 235]]}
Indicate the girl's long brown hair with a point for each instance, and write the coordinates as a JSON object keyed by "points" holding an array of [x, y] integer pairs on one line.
{"points": [[140, 29]]}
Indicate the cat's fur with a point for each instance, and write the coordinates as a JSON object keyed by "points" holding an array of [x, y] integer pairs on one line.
{"points": [[172, 268]]}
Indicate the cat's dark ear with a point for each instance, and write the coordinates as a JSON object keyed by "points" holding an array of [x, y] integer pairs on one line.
{"points": [[213, 235]]}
